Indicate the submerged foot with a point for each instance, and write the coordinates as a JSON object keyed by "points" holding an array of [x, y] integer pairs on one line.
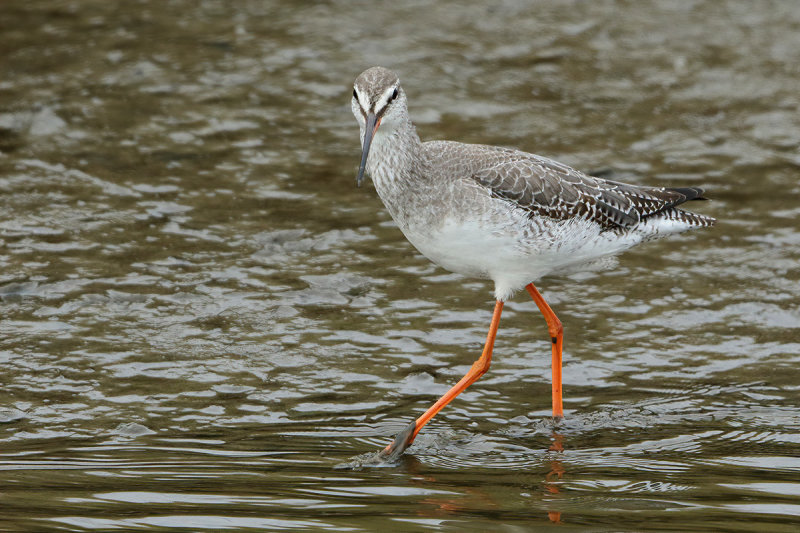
{"points": [[402, 441]]}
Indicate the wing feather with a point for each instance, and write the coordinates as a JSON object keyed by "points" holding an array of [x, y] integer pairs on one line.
{"points": [[547, 188]]}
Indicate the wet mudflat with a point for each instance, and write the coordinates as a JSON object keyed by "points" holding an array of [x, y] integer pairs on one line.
{"points": [[201, 317]]}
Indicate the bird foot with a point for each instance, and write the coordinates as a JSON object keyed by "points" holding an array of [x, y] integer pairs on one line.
{"points": [[402, 441]]}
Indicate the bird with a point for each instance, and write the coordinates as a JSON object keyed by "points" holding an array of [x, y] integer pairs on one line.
{"points": [[500, 214]]}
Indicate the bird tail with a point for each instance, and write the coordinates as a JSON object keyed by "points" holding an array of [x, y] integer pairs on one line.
{"points": [[692, 220]]}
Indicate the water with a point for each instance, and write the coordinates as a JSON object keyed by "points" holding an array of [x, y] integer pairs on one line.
{"points": [[203, 319]]}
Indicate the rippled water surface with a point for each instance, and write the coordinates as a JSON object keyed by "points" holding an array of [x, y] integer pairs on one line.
{"points": [[202, 319]]}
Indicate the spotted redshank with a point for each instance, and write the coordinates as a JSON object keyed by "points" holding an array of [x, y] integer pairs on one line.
{"points": [[500, 214]]}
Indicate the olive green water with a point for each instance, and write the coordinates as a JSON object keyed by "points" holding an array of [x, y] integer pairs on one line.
{"points": [[201, 317]]}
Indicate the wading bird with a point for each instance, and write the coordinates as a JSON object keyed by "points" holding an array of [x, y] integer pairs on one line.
{"points": [[500, 214]]}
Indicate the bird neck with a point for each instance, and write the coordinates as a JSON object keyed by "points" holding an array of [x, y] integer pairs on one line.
{"points": [[394, 159]]}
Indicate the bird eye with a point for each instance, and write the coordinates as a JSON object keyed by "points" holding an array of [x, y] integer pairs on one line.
{"points": [[355, 94], [394, 95]]}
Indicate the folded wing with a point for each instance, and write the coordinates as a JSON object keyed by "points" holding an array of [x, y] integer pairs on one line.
{"points": [[547, 188]]}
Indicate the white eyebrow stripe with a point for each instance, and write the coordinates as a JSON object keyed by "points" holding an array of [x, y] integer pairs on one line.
{"points": [[360, 101], [383, 101]]}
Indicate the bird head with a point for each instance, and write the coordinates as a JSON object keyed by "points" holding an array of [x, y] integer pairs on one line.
{"points": [[378, 102]]}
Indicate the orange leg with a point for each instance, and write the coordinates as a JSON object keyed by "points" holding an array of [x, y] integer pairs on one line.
{"points": [[479, 368], [557, 337]]}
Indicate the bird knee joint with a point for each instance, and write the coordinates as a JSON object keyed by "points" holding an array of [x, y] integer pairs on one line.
{"points": [[480, 367], [556, 331]]}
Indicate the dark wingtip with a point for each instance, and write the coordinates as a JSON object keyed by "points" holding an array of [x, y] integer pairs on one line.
{"points": [[691, 193]]}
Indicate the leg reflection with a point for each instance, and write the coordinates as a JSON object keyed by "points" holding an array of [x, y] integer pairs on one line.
{"points": [[553, 477]]}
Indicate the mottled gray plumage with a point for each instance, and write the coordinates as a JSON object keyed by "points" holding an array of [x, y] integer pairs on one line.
{"points": [[548, 188], [496, 212]]}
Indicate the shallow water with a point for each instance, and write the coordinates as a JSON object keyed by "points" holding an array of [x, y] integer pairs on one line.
{"points": [[203, 319]]}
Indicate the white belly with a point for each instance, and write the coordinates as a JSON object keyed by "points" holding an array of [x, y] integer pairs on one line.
{"points": [[514, 254]]}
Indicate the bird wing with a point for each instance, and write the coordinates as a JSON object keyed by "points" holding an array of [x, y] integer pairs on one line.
{"points": [[548, 188]]}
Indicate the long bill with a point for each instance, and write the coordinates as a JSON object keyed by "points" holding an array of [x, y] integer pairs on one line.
{"points": [[372, 126]]}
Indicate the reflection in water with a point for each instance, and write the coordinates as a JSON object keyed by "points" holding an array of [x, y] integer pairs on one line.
{"points": [[478, 495], [556, 473]]}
